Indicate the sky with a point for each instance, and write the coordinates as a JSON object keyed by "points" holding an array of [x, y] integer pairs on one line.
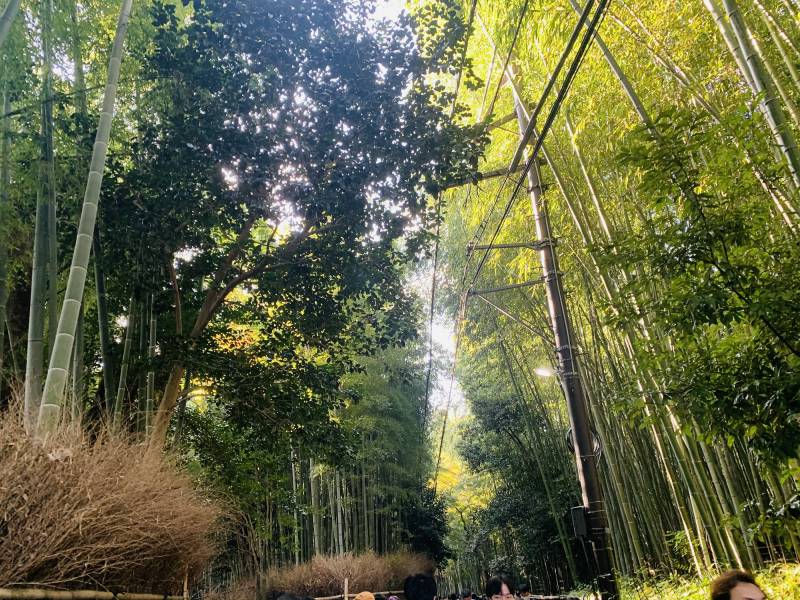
{"points": [[389, 9]]}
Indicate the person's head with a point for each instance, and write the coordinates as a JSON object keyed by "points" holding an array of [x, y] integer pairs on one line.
{"points": [[453, 596], [524, 590], [466, 595], [421, 586], [736, 585], [498, 588]]}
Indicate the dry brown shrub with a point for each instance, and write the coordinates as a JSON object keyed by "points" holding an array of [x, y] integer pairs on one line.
{"points": [[325, 575], [97, 513]]}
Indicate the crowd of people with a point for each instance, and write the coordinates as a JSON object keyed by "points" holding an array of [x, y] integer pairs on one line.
{"points": [[732, 585]]}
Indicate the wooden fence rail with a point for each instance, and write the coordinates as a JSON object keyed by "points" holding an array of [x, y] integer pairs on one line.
{"points": [[45, 594], [22, 593], [350, 596]]}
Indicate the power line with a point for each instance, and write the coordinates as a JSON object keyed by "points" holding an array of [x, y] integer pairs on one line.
{"points": [[470, 21], [554, 110], [561, 95]]}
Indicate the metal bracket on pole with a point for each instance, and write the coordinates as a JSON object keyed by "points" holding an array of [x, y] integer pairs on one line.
{"points": [[502, 288], [537, 245]]}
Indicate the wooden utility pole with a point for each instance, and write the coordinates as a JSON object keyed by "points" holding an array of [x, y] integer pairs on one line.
{"points": [[569, 376]]}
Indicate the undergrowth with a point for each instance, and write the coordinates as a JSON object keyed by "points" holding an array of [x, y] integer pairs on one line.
{"points": [[97, 512], [325, 575], [780, 582]]}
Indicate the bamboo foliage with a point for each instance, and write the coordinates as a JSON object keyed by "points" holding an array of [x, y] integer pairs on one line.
{"points": [[706, 484]]}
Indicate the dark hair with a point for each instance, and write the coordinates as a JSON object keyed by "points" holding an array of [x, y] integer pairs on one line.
{"points": [[722, 586], [419, 587], [453, 596], [495, 585], [466, 594], [524, 589]]}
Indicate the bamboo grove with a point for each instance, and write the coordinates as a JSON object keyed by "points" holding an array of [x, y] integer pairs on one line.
{"points": [[670, 180], [223, 272]]}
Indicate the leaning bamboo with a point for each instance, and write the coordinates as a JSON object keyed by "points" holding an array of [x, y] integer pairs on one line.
{"points": [[7, 19], [53, 396], [772, 112]]}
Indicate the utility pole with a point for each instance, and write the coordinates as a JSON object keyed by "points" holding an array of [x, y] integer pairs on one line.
{"points": [[591, 492]]}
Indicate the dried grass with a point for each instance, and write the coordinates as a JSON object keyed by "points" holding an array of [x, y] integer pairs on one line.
{"points": [[97, 513], [325, 575]]}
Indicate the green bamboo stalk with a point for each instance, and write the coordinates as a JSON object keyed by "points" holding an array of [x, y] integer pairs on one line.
{"points": [[602, 215], [11, 346], [5, 184], [103, 326], [762, 87], [730, 40], [7, 19], [78, 380], [780, 35], [42, 285], [536, 450], [788, 101], [151, 375], [53, 396], [79, 88], [295, 514], [141, 386], [49, 179], [104, 333], [125, 363], [627, 87], [35, 347], [316, 520]]}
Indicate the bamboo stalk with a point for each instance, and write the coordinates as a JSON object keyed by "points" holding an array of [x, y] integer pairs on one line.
{"points": [[126, 358], [53, 395], [5, 183], [7, 19], [761, 86]]}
